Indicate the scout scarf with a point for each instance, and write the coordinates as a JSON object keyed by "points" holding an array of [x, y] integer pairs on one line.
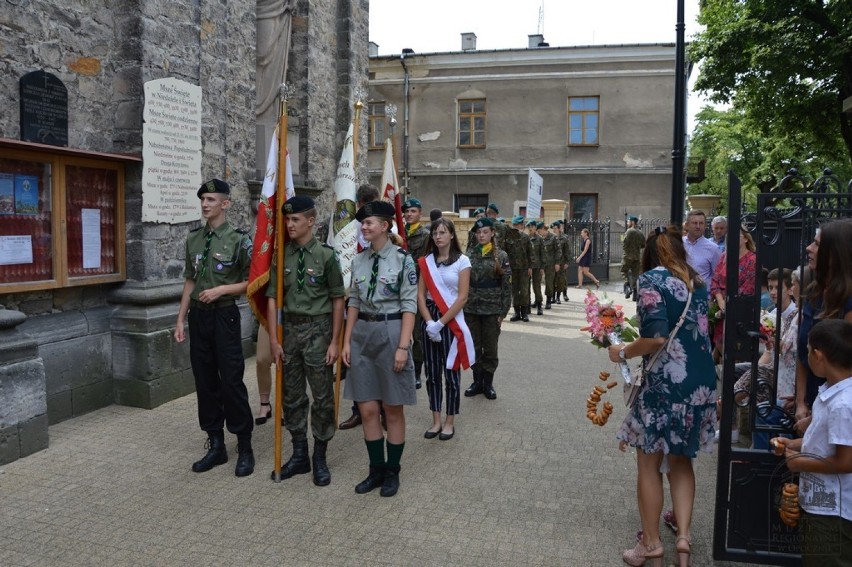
{"points": [[461, 354], [485, 249], [410, 228]]}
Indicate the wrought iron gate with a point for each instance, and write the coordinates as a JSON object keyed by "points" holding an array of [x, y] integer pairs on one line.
{"points": [[747, 527], [600, 233]]}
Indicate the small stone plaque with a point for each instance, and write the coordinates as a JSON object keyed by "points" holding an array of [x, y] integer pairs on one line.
{"points": [[44, 109]]}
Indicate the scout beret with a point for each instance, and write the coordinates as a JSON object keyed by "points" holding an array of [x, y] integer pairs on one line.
{"points": [[412, 203], [297, 204], [493, 207], [214, 186], [375, 209], [518, 219], [500, 219], [531, 223], [540, 225], [479, 211], [631, 218], [482, 223]]}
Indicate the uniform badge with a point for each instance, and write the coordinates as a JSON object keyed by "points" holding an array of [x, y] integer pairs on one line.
{"points": [[412, 278], [219, 267]]}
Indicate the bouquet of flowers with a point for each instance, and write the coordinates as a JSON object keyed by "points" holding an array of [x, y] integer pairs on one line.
{"points": [[767, 327], [608, 326]]}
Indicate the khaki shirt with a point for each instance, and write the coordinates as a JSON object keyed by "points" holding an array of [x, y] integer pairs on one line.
{"points": [[396, 285], [228, 259], [323, 279]]}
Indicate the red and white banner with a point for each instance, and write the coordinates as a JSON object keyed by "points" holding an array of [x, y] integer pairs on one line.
{"points": [[264, 232], [461, 354], [390, 190]]}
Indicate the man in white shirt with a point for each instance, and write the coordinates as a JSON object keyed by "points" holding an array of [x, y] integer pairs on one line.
{"points": [[701, 253]]}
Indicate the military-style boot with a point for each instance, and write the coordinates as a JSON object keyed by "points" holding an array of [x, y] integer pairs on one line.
{"points": [[538, 308], [525, 315], [488, 386], [556, 298], [565, 295], [298, 463], [390, 484], [216, 452], [322, 477], [547, 306], [245, 458], [516, 316], [476, 387], [373, 480], [418, 369]]}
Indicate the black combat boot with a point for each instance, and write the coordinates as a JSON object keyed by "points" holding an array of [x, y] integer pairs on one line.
{"points": [[547, 306], [216, 452], [245, 457], [374, 480], [476, 387], [516, 316], [525, 315], [556, 298], [565, 295], [418, 369], [538, 308], [488, 386], [321, 475], [390, 484], [298, 463]]}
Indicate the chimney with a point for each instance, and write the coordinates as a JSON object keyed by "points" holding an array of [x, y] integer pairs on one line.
{"points": [[535, 40], [468, 41], [374, 49]]}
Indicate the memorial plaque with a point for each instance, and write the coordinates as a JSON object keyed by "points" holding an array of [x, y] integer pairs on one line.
{"points": [[44, 109]]}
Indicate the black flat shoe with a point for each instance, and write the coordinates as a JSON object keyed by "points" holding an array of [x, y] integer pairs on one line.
{"points": [[431, 434], [447, 436], [261, 420]]}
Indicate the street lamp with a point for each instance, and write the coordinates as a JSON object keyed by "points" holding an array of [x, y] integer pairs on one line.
{"points": [[678, 146], [407, 51]]}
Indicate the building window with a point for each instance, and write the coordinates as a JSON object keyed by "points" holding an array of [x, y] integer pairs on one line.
{"points": [[465, 204], [376, 113], [472, 123], [583, 120], [61, 221], [584, 206]]}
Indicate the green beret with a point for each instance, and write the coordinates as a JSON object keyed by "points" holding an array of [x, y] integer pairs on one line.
{"points": [[479, 211], [214, 186], [412, 203], [375, 209], [540, 225], [493, 207], [482, 223], [531, 223], [633, 219], [518, 219], [297, 204], [500, 219]]}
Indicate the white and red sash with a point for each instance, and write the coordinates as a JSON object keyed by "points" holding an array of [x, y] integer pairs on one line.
{"points": [[461, 354]]}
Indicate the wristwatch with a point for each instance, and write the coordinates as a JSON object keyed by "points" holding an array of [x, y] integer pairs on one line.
{"points": [[622, 355]]}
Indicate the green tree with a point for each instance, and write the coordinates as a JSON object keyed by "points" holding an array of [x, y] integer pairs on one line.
{"points": [[787, 64]]}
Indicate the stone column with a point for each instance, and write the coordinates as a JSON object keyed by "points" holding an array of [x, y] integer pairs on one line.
{"points": [[23, 391], [554, 209]]}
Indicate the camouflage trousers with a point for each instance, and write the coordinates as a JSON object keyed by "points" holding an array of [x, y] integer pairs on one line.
{"points": [[560, 283], [536, 284], [520, 288], [305, 346], [549, 277], [485, 333], [631, 270]]}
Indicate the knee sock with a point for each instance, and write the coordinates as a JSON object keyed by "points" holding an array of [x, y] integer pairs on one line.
{"points": [[376, 451], [394, 454]]}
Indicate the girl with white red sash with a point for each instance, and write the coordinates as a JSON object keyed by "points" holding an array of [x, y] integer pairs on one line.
{"points": [[447, 343]]}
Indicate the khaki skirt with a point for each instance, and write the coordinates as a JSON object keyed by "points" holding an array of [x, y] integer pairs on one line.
{"points": [[371, 376]]}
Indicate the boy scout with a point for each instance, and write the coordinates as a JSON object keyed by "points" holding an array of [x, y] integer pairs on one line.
{"points": [[549, 258], [216, 272], [417, 236], [312, 320], [535, 264], [519, 250], [631, 262]]}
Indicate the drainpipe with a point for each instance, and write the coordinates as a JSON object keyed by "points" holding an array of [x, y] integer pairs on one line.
{"points": [[406, 91]]}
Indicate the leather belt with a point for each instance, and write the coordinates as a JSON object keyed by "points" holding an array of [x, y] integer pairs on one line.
{"points": [[218, 304], [302, 319], [485, 285], [379, 316]]}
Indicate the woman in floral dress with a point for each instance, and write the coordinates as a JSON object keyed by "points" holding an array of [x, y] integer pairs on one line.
{"points": [[675, 414]]}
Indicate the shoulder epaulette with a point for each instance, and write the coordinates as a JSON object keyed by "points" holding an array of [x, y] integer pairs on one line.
{"points": [[402, 251], [241, 230], [325, 245], [197, 228]]}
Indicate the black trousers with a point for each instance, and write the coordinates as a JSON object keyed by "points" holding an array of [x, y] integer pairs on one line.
{"points": [[216, 354]]}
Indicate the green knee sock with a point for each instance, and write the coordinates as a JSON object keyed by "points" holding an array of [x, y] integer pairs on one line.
{"points": [[394, 454], [376, 450]]}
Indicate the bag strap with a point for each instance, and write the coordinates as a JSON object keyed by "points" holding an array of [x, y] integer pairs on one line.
{"points": [[677, 327]]}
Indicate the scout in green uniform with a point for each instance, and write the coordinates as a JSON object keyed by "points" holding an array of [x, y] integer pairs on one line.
{"points": [[216, 271], [417, 237], [549, 258], [312, 318], [536, 269], [519, 251], [488, 303], [631, 264], [471, 234], [377, 342], [562, 276], [558, 271]]}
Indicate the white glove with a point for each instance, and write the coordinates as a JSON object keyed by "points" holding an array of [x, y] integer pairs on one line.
{"points": [[433, 329]]}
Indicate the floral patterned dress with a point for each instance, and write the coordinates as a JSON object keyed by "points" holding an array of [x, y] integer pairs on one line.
{"points": [[676, 410]]}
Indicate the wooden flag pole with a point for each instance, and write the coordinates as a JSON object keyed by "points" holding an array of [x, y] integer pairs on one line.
{"points": [[280, 197]]}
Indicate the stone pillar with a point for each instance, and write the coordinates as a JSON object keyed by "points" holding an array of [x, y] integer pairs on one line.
{"points": [[463, 226], [554, 209], [23, 391]]}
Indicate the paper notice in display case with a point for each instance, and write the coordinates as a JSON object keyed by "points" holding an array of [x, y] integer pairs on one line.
{"points": [[16, 250], [91, 238]]}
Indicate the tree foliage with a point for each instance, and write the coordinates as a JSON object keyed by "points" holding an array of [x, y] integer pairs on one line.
{"points": [[786, 66]]}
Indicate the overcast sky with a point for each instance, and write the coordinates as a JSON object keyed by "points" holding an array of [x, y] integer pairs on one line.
{"points": [[429, 26]]}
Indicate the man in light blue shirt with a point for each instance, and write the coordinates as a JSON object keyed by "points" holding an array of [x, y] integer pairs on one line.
{"points": [[701, 253], [720, 229]]}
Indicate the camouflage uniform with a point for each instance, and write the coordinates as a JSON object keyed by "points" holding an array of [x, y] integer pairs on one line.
{"points": [[417, 237], [561, 284], [631, 264], [489, 299], [535, 264], [550, 255], [519, 249]]}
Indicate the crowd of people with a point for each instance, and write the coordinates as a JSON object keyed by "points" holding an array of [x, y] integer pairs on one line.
{"points": [[430, 296]]}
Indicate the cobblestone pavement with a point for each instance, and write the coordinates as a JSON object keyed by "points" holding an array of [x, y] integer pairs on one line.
{"points": [[527, 480]]}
